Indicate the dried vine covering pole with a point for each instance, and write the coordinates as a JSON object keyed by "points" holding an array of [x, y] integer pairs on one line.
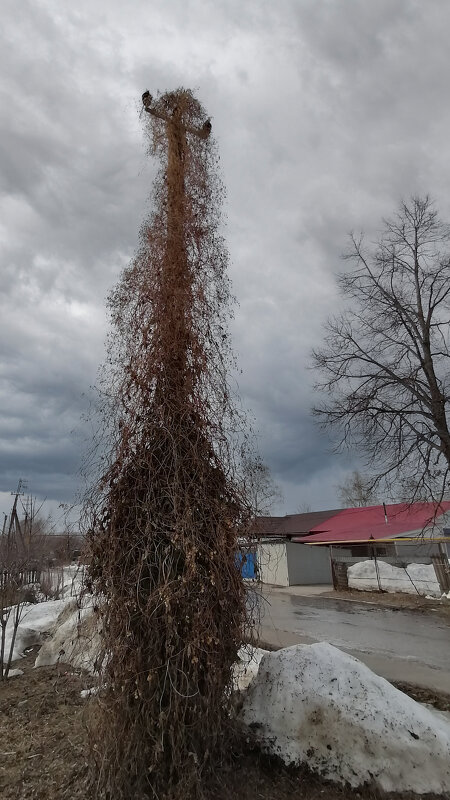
{"points": [[168, 511]]}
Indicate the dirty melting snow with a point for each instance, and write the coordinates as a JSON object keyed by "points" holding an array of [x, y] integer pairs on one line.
{"points": [[247, 666], [45, 616], [36, 620], [75, 638], [315, 704], [413, 579]]}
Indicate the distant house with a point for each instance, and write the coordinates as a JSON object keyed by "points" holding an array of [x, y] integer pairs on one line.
{"points": [[395, 529], [58, 548], [282, 559], [299, 548]]}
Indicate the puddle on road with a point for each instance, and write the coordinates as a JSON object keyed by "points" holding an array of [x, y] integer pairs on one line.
{"points": [[305, 604]]}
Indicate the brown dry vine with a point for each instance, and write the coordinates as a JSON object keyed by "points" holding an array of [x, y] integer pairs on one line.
{"points": [[167, 512]]}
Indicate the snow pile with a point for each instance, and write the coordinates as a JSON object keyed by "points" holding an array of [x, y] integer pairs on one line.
{"points": [[60, 582], [92, 692], [246, 668], [413, 579], [75, 638], [318, 705], [72, 580], [36, 620], [14, 673]]}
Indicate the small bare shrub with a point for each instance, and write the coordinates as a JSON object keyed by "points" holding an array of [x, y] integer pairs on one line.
{"points": [[29, 594], [12, 607]]}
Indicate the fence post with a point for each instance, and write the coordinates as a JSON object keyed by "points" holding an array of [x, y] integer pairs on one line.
{"points": [[374, 556], [442, 570]]}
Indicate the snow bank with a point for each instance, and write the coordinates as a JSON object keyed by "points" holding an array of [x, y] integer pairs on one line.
{"points": [[317, 705], [75, 638], [63, 581], [414, 579], [40, 618], [36, 620], [247, 666], [73, 580]]}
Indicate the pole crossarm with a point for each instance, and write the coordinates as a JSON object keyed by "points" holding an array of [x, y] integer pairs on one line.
{"points": [[202, 133]]}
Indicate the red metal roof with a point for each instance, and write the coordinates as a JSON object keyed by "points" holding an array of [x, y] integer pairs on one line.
{"points": [[365, 524]]}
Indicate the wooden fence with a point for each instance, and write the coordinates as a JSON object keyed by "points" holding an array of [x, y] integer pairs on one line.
{"points": [[442, 570], [341, 563], [339, 575], [19, 578]]}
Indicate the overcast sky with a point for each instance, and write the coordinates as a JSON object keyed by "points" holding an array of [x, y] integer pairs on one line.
{"points": [[327, 113]]}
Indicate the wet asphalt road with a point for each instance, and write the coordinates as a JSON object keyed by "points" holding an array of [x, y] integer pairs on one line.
{"points": [[397, 643]]}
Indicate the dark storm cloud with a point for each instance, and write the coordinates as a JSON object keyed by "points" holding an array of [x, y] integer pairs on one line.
{"points": [[326, 113]]}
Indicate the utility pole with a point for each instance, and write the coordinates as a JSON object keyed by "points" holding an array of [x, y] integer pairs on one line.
{"points": [[169, 509], [14, 521], [176, 283], [29, 509]]}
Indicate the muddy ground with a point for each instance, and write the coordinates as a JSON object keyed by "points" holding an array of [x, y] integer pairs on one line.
{"points": [[440, 608], [43, 747], [42, 736]]}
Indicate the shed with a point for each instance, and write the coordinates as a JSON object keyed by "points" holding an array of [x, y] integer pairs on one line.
{"points": [[285, 563]]}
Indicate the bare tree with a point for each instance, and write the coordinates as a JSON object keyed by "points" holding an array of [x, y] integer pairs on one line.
{"points": [[357, 490], [20, 548], [385, 363], [261, 489]]}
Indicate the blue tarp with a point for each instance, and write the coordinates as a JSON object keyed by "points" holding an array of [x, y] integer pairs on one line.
{"points": [[246, 561]]}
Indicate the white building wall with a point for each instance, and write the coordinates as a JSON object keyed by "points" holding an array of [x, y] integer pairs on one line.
{"points": [[272, 563]]}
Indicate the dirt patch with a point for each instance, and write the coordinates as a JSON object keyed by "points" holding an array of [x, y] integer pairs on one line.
{"points": [[43, 749], [439, 700], [42, 734], [399, 600], [257, 777]]}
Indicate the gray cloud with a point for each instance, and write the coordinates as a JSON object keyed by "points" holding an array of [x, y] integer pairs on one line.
{"points": [[325, 114]]}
